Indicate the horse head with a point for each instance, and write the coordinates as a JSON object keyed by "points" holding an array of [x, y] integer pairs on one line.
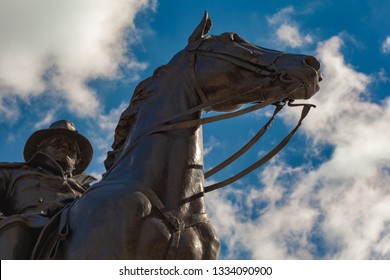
{"points": [[233, 72]]}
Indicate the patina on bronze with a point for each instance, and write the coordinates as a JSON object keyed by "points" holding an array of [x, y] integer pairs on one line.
{"points": [[31, 192], [150, 202]]}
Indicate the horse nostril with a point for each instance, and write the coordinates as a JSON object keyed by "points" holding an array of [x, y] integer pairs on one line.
{"points": [[312, 62]]}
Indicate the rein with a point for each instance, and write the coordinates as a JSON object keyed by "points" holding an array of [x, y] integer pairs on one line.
{"points": [[305, 110]]}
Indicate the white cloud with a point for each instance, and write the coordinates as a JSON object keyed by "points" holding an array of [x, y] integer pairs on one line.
{"points": [[58, 47], [386, 45], [109, 121], [136, 67], [282, 16], [103, 129], [101, 132], [290, 35], [46, 121], [382, 76], [287, 31], [337, 210], [11, 138], [210, 145], [9, 109]]}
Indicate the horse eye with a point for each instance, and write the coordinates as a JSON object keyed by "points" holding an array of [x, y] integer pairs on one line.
{"points": [[229, 37]]}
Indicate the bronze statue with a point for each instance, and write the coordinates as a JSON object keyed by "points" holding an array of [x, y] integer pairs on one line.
{"points": [[150, 202], [33, 191]]}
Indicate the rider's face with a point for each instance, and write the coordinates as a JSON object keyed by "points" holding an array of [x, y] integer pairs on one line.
{"points": [[62, 149]]}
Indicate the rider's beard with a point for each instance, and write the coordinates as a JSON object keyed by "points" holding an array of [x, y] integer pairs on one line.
{"points": [[62, 157], [68, 164]]}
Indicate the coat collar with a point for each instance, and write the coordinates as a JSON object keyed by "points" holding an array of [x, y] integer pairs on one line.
{"points": [[41, 160]]}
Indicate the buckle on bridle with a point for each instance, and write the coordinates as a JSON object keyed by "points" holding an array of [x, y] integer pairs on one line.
{"points": [[290, 103], [175, 222]]}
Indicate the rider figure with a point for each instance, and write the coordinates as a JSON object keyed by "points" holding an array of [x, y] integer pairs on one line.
{"points": [[32, 191]]}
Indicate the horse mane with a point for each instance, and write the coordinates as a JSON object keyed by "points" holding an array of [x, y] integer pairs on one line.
{"points": [[130, 115]]}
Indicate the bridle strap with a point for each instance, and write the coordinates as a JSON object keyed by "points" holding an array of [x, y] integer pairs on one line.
{"points": [[305, 110], [255, 68], [194, 81], [246, 147], [198, 122]]}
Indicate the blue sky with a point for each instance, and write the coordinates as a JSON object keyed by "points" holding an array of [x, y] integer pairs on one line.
{"points": [[325, 196]]}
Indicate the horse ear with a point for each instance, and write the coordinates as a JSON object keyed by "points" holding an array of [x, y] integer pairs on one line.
{"points": [[202, 29]]}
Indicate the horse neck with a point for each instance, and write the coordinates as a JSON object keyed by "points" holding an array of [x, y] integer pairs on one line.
{"points": [[170, 163]]}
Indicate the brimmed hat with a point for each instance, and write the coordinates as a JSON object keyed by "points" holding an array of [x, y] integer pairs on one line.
{"points": [[61, 128]]}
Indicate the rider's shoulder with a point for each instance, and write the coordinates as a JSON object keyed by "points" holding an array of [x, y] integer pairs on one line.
{"points": [[12, 165], [84, 179]]}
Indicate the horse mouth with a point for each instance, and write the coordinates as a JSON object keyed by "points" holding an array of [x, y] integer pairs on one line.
{"points": [[299, 75], [307, 81], [315, 77], [312, 85]]}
